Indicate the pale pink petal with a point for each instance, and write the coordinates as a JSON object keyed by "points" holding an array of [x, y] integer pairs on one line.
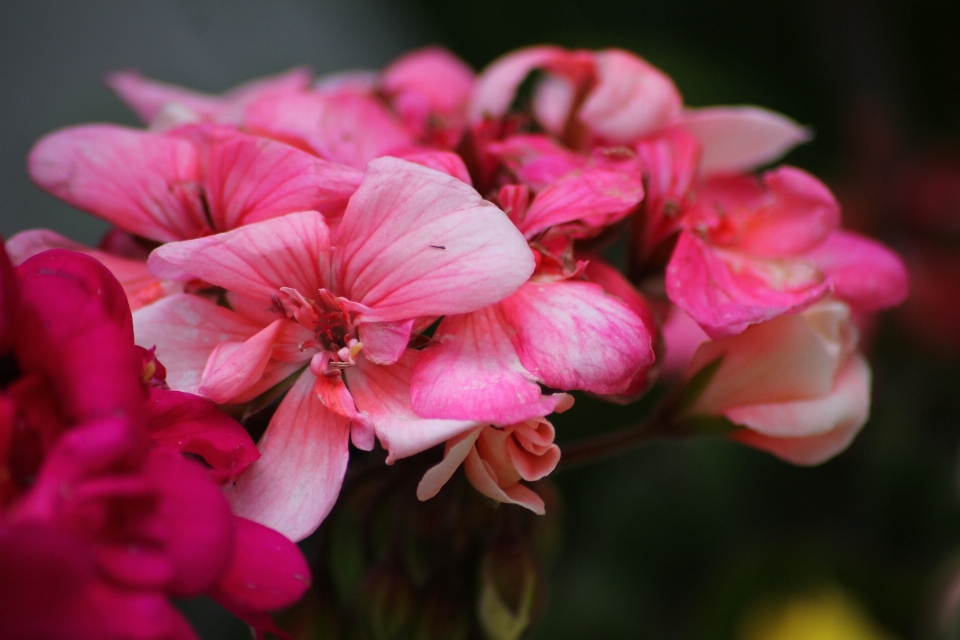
{"points": [[256, 260], [472, 372], [149, 97], [142, 182], [681, 336], [348, 128], [385, 342], [862, 272], [632, 98], [383, 394], [304, 452], [141, 286], [811, 431], [235, 366], [572, 335], [725, 292], [497, 85], [430, 89], [738, 139], [553, 99], [787, 359], [251, 179], [484, 480], [443, 161], [538, 456], [593, 197], [186, 329], [439, 248], [456, 452], [335, 396]]}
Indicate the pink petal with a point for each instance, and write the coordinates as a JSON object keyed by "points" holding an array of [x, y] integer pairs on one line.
{"points": [[738, 139], [483, 478], [473, 373], [791, 358], [234, 367], [812, 431], [256, 260], [572, 335], [383, 394], [267, 571], [141, 286], [348, 128], [200, 527], [538, 456], [593, 197], [497, 85], [726, 292], [536, 160], [149, 97], [443, 161], [430, 89], [439, 248], [455, 453], [194, 425], [186, 329], [304, 452], [141, 182], [251, 179], [862, 272], [385, 342], [632, 98]]}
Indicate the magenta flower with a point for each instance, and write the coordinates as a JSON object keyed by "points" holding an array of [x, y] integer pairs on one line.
{"points": [[99, 525], [413, 243]]}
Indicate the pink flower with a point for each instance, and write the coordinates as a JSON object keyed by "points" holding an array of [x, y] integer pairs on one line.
{"points": [[335, 314], [751, 250], [496, 459], [795, 384], [98, 525], [183, 184]]}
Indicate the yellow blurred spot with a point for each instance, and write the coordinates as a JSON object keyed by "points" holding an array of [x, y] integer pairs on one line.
{"points": [[826, 615]]}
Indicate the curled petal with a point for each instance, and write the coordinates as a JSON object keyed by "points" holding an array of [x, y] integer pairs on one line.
{"points": [[484, 479], [497, 85], [234, 367], [456, 451], [632, 98], [738, 139], [304, 452]]}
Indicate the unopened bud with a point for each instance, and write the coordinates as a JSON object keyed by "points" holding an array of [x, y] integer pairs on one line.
{"points": [[508, 589], [388, 598]]}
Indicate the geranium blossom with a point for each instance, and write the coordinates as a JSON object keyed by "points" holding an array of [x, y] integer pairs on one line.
{"points": [[329, 306]]}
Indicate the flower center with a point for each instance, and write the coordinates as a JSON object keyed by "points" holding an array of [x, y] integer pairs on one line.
{"points": [[334, 335]]}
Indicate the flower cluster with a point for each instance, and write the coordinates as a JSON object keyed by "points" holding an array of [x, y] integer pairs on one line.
{"points": [[416, 257]]}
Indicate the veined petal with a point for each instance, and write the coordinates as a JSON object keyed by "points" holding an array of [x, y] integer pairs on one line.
{"points": [[251, 179], [382, 392], [439, 247], [304, 452], [256, 260], [632, 98], [812, 431], [385, 342], [572, 335], [142, 182], [443, 161], [474, 373], [186, 329], [738, 139]]}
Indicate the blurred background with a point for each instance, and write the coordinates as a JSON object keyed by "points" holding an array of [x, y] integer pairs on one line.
{"points": [[700, 540]]}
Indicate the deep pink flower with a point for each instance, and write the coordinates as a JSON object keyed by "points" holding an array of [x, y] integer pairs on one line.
{"points": [[339, 312], [100, 526]]}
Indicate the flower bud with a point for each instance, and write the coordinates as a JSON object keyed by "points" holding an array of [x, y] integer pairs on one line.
{"points": [[508, 590], [442, 616], [387, 598]]}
